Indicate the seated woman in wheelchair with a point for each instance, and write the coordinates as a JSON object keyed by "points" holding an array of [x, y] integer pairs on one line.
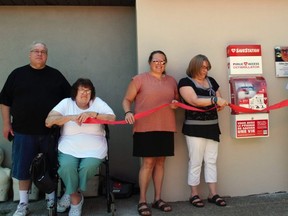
{"points": [[82, 147]]}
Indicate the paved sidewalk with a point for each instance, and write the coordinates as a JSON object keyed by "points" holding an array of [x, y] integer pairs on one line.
{"points": [[275, 204]]}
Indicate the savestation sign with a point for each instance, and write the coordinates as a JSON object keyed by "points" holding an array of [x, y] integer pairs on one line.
{"points": [[244, 59]]}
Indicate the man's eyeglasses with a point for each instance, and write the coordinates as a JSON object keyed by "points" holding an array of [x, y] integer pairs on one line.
{"points": [[161, 62], [82, 91], [43, 52]]}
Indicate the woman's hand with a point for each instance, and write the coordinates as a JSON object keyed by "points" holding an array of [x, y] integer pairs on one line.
{"points": [[82, 117], [220, 108], [173, 104], [221, 103], [129, 118]]}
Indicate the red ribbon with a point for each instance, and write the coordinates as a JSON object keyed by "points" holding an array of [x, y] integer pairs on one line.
{"points": [[186, 107], [247, 110]]}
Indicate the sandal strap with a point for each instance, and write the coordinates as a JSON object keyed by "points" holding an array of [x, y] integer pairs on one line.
{"points": [[215, 197], [144, 209], [140, 211], [196, 201], [218, 200], [142, 204], [160, 204], [194, 198]]}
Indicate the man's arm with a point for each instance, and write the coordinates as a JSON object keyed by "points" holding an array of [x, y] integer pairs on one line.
{"points": [[7, 126]]}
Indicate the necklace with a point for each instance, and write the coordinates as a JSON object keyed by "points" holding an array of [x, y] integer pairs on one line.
{"points": [[202, 83]]}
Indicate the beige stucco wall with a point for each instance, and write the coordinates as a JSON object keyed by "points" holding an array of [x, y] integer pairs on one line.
{"points": [[184, 28], [100, 43]]}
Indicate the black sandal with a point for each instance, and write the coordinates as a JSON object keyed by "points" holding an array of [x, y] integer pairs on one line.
{"points": [[163, 206], [196, 201], [216, 199], [143, 209]]}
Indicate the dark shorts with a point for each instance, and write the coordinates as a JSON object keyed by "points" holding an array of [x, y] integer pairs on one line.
{"points": [[153, 144], [25, 148]]}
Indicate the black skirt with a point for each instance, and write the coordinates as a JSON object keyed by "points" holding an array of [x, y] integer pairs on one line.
{"points": [[153, 144]]}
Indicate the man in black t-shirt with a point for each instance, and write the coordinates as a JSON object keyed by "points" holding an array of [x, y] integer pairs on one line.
{"points": [[28, 95]]}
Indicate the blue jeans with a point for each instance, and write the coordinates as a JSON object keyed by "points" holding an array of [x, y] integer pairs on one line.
{"points": [[24, 149]]}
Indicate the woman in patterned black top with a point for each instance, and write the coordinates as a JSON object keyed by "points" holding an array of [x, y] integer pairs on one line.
{"points": [[201, 129]]}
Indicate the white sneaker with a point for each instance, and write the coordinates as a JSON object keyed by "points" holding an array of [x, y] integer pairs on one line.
{"points": [[22, 210], [50, 204], [76, 210], [64, 203]]}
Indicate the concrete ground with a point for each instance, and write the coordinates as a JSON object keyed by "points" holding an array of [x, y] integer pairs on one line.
{"points": [[275, 204]]}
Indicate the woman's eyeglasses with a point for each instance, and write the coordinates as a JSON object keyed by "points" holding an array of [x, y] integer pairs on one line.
{"points": [[82, 91], [161, 62]]}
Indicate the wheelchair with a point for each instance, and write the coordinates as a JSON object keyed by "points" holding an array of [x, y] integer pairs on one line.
{"points": [[110, 199]]}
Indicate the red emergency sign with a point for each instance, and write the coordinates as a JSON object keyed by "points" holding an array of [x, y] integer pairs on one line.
{"points": [[252, 128]]}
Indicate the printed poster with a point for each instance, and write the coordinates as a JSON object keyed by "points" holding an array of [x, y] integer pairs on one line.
{"points": [[281, 61]]}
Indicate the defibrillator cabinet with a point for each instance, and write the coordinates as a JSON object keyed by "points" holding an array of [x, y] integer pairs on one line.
{"points": [[248, 89]]}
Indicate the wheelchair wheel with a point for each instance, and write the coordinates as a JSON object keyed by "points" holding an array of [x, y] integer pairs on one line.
{"points": [[112, 209], [52, 212], [111, 204]]}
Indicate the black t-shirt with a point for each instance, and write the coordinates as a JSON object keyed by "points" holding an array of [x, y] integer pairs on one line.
{"points": [[201, 129], [31, 94]]}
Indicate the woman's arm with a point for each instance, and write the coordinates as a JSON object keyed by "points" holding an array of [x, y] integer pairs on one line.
{"points": [[108, 117], [56, 118], [127, 103], [189, 95], [222, 103], [83, 116]]}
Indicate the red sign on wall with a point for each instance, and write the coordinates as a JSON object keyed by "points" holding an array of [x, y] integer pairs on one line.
{"points": [[243, 50], [252, 128], [244, 59]]}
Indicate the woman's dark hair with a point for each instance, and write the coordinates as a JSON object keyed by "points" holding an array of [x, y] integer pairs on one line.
{"points": [[86, 83], [155, 52], [195, 65]]}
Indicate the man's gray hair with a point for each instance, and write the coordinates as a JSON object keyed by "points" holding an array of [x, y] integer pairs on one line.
{"points": [[32, 46]]}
